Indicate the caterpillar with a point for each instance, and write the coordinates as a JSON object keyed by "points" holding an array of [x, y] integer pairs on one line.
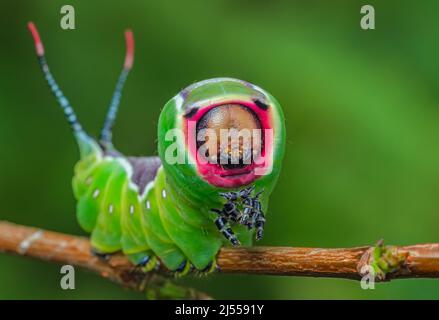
{"points": [[181, 207]]}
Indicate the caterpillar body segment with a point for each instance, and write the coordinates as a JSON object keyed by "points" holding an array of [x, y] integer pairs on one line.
{"points": [[178, 212]]}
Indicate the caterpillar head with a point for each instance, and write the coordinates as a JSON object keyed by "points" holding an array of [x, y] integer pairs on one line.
{"points": [[224, 133]]}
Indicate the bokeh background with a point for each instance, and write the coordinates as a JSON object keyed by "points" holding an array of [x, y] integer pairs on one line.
{"points": [[361, 113]]}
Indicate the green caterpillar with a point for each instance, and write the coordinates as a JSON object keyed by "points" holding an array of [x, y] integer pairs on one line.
{"points": [[179, 208]]}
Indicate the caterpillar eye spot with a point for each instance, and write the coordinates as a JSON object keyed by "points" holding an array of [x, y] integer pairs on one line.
{"points": [[190, 113], [260, 104]]}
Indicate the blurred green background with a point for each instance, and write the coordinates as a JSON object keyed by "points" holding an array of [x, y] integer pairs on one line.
{"points": [[361, 111]]}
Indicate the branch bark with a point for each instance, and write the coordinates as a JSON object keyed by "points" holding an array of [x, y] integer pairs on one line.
{"points": [[417, 261]]}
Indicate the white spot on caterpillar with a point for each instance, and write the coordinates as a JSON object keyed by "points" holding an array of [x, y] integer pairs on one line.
{"points": [[26, 243], [89, 180], [164, 193], [148, 205], [96, 193], [110, 209], [131, 209]]}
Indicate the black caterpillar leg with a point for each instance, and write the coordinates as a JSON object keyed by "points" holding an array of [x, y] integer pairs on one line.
{"points": [[223, 226], [210, 268], [183, 269], [246, 192], [260, 222], [247, 216], [230, 210], [259, 217], [243, 208], [144, 261], [254, 216]]}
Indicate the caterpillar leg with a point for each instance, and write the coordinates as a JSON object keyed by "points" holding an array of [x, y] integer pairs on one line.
{"points": [[143, 260], [258, 216], [231, 212], [230, 209], [253, 216], [183, 269], [241, 207], [260, 222], [223, 226], [186, 267], [210, 268]]}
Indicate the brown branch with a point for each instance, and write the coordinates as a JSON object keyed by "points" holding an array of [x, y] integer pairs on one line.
{"points": [[419, 261], [403, 262]]}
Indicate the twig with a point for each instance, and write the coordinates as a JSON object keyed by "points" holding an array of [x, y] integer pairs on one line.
{"points": [[420, 261], [417, 261]]}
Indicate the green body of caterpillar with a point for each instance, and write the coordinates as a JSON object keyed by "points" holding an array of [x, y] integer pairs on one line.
{"points": [[155, 208]]}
